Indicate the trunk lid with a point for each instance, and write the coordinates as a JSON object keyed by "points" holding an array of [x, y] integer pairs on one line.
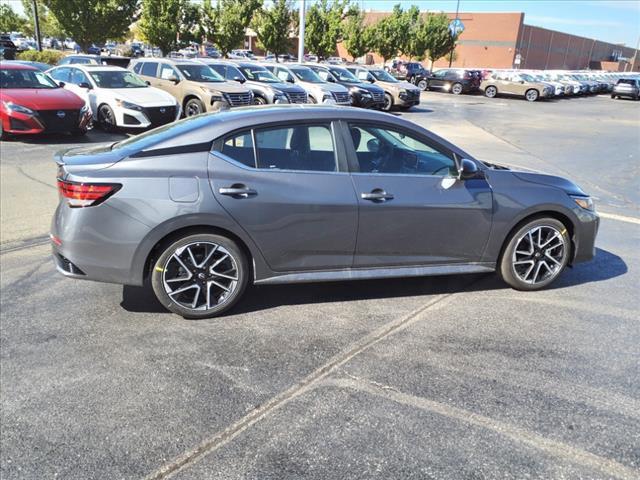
{"points": [[86, 158]]}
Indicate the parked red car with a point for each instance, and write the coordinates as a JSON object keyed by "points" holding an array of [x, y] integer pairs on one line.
{"points": [[32, 102]]}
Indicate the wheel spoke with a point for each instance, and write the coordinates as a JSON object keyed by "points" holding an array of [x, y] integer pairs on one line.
{"points": [[184, 289], [523, 262], [553, 237], [219, 261], [535, 275], [526, 275], [182, 264], [195, 297], [191, 257], [224, 275], [552, 259], [206, 260], [217, 284]]}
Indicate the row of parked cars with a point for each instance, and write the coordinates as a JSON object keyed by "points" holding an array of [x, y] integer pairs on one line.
{"points": [[154, 91], [529, 84]]}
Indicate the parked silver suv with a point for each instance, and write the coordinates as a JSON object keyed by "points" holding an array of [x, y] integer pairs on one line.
{"points": [[627, 87]]}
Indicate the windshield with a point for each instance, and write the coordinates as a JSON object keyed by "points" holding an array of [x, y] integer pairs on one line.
{"points": [[14, 78], [117, 79], [344, 75], [259, 74], [306, 75], [383, 76], [200, 73]]}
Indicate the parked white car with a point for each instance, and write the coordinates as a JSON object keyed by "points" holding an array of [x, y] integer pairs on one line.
{"points": [[118, 97], [319, 91]]}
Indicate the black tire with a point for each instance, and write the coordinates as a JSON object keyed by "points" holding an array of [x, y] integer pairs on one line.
{"points": [[200, 277], [193, 107], [423, 85], [613, 96], [512, 274], [532, 95], [490, 91], [456, 88], [259, 100], [388, 102], [106, 118], [312, 99]]}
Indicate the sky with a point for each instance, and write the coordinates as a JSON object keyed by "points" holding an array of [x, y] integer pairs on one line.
{"points": [[614, 21]]}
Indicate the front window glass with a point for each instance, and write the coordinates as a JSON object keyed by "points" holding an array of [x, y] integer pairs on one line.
{"points": [[388, 151], [14, 78], [259, 74], [200, 73], [78, 77], [117, 79], [383, 76], [308, 148], [344, 75], [306, 75]]}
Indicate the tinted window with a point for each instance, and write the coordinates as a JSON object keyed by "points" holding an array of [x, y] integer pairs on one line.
{"points": [[150, 69], [389, 151], [199, 73], [137, 67], [218, 69], [296, 148], [239, 147]]}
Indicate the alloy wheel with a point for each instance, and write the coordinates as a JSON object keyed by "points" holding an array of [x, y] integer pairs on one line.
{"points": [[200, 275], [456, 89], [106, 118], [532, 95], [539, 255], [422, 84], [193, 108], [491, 91]]}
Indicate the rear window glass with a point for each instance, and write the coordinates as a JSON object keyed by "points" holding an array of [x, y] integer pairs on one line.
{"points": [[149, 69], [627, 81]]}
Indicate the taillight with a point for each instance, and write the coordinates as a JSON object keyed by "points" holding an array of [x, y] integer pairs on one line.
{"points": [[80, 195]]}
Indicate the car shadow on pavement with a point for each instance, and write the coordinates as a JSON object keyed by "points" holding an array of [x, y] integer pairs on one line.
{"points": [[605, 266]]}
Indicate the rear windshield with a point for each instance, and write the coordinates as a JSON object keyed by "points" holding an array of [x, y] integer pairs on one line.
{"points": [[627, 81]]}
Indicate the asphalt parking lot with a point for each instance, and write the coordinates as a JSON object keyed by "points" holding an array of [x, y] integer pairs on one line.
{"points": [[426, 378]]}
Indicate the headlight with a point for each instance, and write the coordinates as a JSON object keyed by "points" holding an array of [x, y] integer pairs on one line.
{"points": [[584, 202], [128, 105], [360, 91], [14, 107]]}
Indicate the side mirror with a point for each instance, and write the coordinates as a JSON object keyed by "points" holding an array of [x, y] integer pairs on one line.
{"points": [[239, 79], [61, 84], [371, 79], [467, 169], [84, 85], [147, 82], [173, 79], [331, 79], [290, 80]]}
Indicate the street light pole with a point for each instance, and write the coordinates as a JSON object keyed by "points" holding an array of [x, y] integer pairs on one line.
{"points": [[301, 32], [36, 25], [453, 47]]}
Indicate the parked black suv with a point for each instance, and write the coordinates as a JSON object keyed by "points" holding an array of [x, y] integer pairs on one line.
{"points": [[362, 94], [8, 49], [455, 80]]}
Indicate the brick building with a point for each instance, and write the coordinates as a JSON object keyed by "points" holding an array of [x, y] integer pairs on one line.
{"points": [[495, 39]]}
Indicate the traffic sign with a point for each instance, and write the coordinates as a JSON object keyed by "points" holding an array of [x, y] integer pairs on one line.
{"points": [[456, 27]]}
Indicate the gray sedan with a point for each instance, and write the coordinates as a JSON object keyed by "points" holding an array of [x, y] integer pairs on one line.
{"points": [[201, 207]]}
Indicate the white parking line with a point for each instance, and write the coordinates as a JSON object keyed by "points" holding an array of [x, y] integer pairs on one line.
{"points": [[620, 218]]}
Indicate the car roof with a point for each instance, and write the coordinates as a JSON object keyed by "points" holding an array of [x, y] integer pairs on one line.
{"points": [[17, 66], [93, 67]]}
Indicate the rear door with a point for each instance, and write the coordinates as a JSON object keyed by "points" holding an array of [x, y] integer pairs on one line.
{"points": [[412, 209], [288, 186]]}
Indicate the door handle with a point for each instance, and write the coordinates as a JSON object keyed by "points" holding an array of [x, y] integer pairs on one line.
{"points": [[377, 195], [237, 191]]}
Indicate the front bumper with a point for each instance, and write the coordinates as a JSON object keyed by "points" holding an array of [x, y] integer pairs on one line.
{"points": [[584, 236], [148, 117], [409, 99], [17, 123], [363, 101]]}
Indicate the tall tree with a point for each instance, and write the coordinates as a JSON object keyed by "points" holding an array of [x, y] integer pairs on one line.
{"points": [[10, 21], [160, 22], [189, 21], [49, 25], [227, 22], [356, 36], [407, 22], [388, 38], [440, 42], [273, 26], [208, 20], [91, 21], [324, 25]]}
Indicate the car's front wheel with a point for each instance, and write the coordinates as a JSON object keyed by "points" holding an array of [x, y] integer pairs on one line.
{"points": [[531, 95], [422, 84], [193, 107], [535, 254], [106, 118], [388, 102], [200, 275]]}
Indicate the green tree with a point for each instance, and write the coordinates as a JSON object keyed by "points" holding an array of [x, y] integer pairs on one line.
{"points": [[385, 35], [208, 20], [10, 21], [189, 21], [233, 17], [91, 21], [407, 22], [160, 22], [356, 37], [324, 25], [440, 42], [273, 26], [49, 25]]}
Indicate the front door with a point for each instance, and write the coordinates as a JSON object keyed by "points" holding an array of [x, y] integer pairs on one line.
{"points": [[168, 80], [291, 194], [412, 208]]}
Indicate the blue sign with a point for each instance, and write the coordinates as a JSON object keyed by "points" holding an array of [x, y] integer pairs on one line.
{"points": [[456, 27]]}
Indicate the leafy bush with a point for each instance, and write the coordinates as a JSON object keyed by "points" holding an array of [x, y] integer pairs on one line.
{"points": [[52, 57]]}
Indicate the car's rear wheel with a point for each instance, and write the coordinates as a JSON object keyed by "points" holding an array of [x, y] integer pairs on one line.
{"points": [[535, 254], [531, 95], [456, 89], [106, 118], [388, 102], [422, 84], [490, 91], [200, 275]]}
